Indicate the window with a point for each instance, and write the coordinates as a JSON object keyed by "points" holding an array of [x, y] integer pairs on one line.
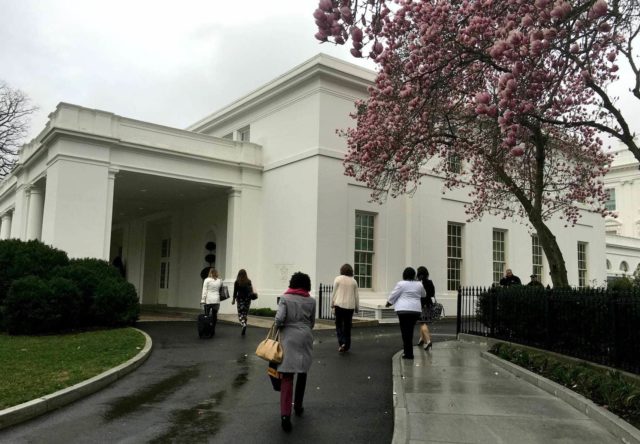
{"points": [[624, 267], [582, 264], [165, 253], [363, 256], [244, 134], [536, 256], [610, 204], [499, 260], [453, 163], [608, 264], [454, 256]]}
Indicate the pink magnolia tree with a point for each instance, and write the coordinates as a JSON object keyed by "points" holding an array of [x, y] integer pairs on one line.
{"points": [[487, 82]]}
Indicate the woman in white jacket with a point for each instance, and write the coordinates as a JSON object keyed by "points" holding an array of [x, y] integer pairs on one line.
{"points": [[211, 295], [405, 297]]}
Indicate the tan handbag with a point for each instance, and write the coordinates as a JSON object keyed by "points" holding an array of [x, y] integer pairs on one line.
{"points": [[270, 349]]}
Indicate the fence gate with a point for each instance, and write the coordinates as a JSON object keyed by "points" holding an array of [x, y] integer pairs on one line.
{"points": [[324, 302]]}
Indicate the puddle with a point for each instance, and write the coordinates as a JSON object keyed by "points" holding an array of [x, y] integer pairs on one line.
{"points": [[243, 376], [152, 394], [196, 424]]}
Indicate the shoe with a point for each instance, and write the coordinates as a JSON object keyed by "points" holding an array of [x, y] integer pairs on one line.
{"points": [[299, 410], [407, 357], [244, 330], [420, 342], [341, 349], [428, 346], [285, 422]]}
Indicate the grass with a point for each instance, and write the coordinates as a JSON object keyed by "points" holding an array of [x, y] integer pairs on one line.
{"points": [[34, 366]]}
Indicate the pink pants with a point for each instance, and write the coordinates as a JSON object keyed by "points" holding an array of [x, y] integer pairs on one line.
{"points": [[286, 392]]}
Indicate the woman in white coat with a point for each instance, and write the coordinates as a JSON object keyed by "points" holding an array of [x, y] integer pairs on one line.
{"points": [[211, 295], [405, 297]]}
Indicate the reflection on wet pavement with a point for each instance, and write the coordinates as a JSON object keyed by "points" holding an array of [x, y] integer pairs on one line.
{"points": [[196, 424], [154, 393]]}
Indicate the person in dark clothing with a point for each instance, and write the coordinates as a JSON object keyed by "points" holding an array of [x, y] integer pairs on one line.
{"points": [[242, 290], [510, 279], [427, 303], [534, 282]]}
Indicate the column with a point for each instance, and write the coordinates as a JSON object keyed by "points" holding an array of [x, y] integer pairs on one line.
{"points": [[109, 212], [234, 221], [34, 214], [5, 226]]}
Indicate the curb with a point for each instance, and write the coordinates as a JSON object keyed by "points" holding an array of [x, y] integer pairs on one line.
{"points": [[400, 419], [36, 407], [614, 425]]}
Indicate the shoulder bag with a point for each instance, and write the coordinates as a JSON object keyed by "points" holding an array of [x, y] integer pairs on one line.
{"points": [[224, 293], [270, 349]]}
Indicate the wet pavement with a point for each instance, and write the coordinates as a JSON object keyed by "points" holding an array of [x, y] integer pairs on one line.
{"points": [[193, 390]]}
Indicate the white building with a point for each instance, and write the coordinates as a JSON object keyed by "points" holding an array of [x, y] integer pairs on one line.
{"points": [[623, 231], [262, 179]]}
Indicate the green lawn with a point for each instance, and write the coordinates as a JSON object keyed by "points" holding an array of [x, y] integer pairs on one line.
{"points": [[33, 366]]}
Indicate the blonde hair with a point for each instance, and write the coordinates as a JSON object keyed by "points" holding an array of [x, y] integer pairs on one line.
{"points": [[213, 273]]}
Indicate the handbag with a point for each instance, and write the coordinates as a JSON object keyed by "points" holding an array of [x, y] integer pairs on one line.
{"points": [[437, 311], [252, 294], [270, 349], [224, 293], [274, 376]]}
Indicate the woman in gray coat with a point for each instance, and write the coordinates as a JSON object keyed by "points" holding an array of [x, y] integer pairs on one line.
{"points": [[295, 318]]}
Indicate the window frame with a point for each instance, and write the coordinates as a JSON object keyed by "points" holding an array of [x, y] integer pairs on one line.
{"points": [[454, 255], [364, 248]]}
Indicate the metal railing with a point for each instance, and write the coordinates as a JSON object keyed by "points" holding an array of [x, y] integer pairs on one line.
{"points": [[592, 324], [324, 302]]}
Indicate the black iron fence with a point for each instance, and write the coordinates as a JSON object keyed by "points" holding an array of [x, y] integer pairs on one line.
{"points": [[324, 302], [594, 324]]}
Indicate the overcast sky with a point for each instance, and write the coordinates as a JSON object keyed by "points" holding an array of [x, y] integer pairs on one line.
{"points": [[168, 62]]}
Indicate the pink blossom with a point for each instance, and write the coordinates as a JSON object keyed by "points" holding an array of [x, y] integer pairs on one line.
{"points": [[517, 151], [598, 10], [483, 97], [356, 34], [325, 5]]}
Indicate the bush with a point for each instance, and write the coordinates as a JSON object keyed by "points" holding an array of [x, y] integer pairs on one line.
{"points": [[20, 259], [266, 312], [115, 303], [620, 283]]}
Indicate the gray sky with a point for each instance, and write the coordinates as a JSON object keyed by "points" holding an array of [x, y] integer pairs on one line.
{"points": [[168, 62]]}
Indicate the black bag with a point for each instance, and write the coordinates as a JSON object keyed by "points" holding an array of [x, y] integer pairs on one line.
{"points": [[206, 326], [437, 311], [224, 293], [274, 376]]}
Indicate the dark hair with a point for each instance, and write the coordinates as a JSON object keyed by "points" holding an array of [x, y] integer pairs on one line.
{"points": [[423, 273], [346, 270], [242, 278], [300, 281], [409, 274]]}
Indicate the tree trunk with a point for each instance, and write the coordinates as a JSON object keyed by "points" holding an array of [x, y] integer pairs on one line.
{"points": [[557, 267]]}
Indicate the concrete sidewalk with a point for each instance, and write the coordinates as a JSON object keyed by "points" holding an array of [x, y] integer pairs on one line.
{"points": [[453, 395]]}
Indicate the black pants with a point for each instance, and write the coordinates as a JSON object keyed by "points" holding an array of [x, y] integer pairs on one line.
{"points": [[286, 392], [344, 320], [408, 321], [212, 310]]}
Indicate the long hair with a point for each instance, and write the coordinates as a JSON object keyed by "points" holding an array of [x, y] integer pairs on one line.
{"points": [[242, 278], [346, 270], [213, 273]]}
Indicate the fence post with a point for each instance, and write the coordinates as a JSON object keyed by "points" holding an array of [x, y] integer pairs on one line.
{"points": [[459, 308], [493, 298], [320, 304]]}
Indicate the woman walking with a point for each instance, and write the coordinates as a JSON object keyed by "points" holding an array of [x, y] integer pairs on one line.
{"points": [[242, 290], [211, 296], [405, 297], [296, 317], [344, 301], [427, 303]]}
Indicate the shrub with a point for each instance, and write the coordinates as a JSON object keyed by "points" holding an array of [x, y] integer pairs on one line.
{"points": [[115, 303], [266, 312], [35, 305], [33, 258], [620, 283]]}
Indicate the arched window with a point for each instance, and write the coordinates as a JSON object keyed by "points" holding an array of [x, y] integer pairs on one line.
{"points": [[608, 264], [624, 267]]}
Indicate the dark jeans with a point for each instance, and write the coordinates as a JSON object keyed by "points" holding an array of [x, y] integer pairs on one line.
{"points": [[344, 320], [286, 392], [408, 321], [212, 310]]}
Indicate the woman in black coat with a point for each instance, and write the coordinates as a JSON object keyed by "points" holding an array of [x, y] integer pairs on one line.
{"points": [[242, 291], [427, 303]]}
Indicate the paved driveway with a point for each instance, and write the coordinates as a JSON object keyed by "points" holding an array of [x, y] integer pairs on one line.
{"points": [[193, 390]]}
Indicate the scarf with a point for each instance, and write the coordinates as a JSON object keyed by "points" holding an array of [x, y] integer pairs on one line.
{"points": [[298, 291]]}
